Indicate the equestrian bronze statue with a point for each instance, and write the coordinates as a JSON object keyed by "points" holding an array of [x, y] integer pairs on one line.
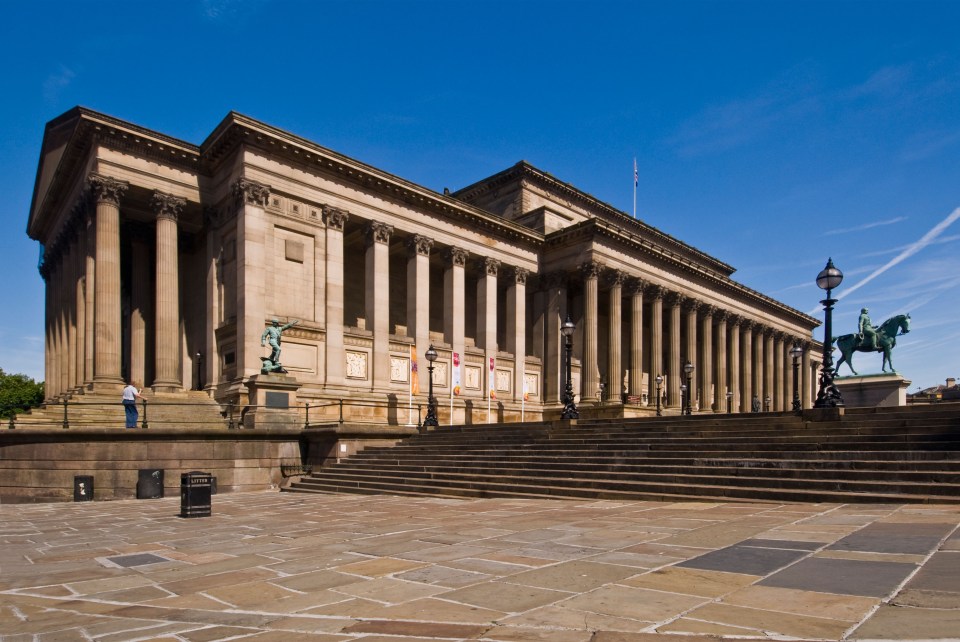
{"points": [[871, 339]]}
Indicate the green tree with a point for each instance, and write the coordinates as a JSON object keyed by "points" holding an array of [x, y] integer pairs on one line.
{"points": [[18, 393]]}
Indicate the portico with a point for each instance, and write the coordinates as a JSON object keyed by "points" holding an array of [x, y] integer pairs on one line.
{"points": [[157, 250]]}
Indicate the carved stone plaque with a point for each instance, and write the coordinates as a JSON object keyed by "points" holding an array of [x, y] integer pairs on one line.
{"points": [[356, 365], [471, 377], [504, 380], [399, 369]]}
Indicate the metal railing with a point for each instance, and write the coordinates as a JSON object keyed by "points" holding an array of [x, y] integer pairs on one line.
{"points": [[68, 413]]}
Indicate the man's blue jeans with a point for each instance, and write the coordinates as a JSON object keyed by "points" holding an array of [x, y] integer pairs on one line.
{"points": [[131, 409]]}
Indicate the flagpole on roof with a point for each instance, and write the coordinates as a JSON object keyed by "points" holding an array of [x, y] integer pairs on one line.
{"points": [[636, 177]]}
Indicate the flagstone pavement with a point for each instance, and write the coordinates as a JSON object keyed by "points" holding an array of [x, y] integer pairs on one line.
{"points": [[284, 566]]}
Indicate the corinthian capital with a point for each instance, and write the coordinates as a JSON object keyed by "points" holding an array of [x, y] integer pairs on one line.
{"points": [[333, 218], [489, 266], [167, 205], [591, 269], [457, 256], [378, 232], [107, 190], [420, 245], [520, 275], [249, 192]]}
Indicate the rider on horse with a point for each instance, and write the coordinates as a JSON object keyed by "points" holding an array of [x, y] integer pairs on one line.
{"points": [[868, 334]]}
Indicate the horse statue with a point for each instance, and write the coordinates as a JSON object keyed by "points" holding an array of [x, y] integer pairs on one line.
{"points": [[886, 341]]}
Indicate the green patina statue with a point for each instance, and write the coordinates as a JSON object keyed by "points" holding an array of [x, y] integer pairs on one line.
{"points": [[272, 335], [871, 339]]}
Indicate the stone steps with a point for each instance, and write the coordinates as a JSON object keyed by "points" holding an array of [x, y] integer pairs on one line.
{"points": [[900, 456], [188, 410]]}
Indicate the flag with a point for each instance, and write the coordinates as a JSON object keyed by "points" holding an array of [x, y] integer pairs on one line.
{"points": [[636, 174], [414, 377]]}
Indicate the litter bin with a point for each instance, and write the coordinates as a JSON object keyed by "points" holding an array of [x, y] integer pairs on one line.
{"points": [[150, 483], [195, 488], [83, 488]]}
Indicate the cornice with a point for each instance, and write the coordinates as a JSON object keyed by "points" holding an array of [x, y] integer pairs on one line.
{"points": [[237, 130], [525, 172], [588, 230]]}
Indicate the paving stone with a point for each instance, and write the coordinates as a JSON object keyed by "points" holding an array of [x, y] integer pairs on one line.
{"points": [[443, 576], [522, 634], [713, 630], [690, 581], [927, 599], [828, 605], [629, 602], [575, 576], [423, 629], [437, 610], [909, 538], [750, 560], [896, 623], [870, 557], [846, 577], [565, 617], [771, 622], [509, 598], [379, 567], [940, 573]]}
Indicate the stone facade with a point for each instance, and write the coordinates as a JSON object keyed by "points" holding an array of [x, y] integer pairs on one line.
{"points": [[165, 260]]}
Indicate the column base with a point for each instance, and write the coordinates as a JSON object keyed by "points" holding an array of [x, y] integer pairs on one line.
{"points": [[166, 386]]}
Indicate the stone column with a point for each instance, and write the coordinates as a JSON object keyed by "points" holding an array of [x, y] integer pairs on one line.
{"points": [[48, 392], [335, 220], [89, 307], [487, 316], [615, 338], [758, 361], [555, 292], [454, 291], [705, 367], [806, 370], [167, 307], [516, 316], [691, 306], [636, 342], [377, 300], [70, 297], [720, 397], [746, 359], [590, 369], [140, 311], [656, 294], [675, 367], [418, 293], [768, 370], [107, 193], [734, 361]]}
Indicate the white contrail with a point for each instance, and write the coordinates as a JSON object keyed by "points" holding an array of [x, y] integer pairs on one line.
{"points": [[910, 250]]}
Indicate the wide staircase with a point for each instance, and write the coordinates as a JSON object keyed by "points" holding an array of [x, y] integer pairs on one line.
{"points": [[188, 410], [899, 455]]}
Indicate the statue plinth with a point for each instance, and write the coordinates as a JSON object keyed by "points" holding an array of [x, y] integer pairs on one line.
{"points": [[873, 391], [273, 402]]}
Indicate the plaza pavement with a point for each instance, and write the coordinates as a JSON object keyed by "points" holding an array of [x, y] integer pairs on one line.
{"points": [[285, 566]]}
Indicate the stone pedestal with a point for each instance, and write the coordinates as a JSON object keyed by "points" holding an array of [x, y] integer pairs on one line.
{"points": [[273, 402], [873, 391]]}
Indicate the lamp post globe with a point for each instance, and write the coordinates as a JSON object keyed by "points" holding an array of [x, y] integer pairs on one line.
{"points": [[796, 352], [688, 370], [828, 395], [431, 419], [729, 402], [659, 383], [569, 407]]}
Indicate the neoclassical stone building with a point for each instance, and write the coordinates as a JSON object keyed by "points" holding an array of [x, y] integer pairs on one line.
{"points": [[165, 260]]}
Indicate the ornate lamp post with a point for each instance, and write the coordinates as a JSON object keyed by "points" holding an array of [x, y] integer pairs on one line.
{"points": [[683, 399], [431, 419], [729, 402], [659, 383], [766, 403], [796, 352], [569, 408], [828, 396], [688, 370]]}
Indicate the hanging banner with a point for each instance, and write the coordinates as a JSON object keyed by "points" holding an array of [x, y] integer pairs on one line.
{"points": [[414, 376], [491, 388], [456, 374]]}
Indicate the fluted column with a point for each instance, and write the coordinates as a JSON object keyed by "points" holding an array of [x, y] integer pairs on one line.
{"points": [[675, 367], [554, 286], [590, 369], [615, 338], [107, 193], [418, 292], [746, 353], [720, 398], [734, 361], [691, 306], [139, 311], [705, 367], [806, 368], [167, 306], [335, 221], [758, 361], [768, 369], [89, 301], [377, 300], [516, 330], [70, 299], [636, 342], [656, 293], [454, 302]]}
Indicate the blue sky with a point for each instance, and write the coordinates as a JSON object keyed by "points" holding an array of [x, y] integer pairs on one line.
{"points": [[771, 135]]}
